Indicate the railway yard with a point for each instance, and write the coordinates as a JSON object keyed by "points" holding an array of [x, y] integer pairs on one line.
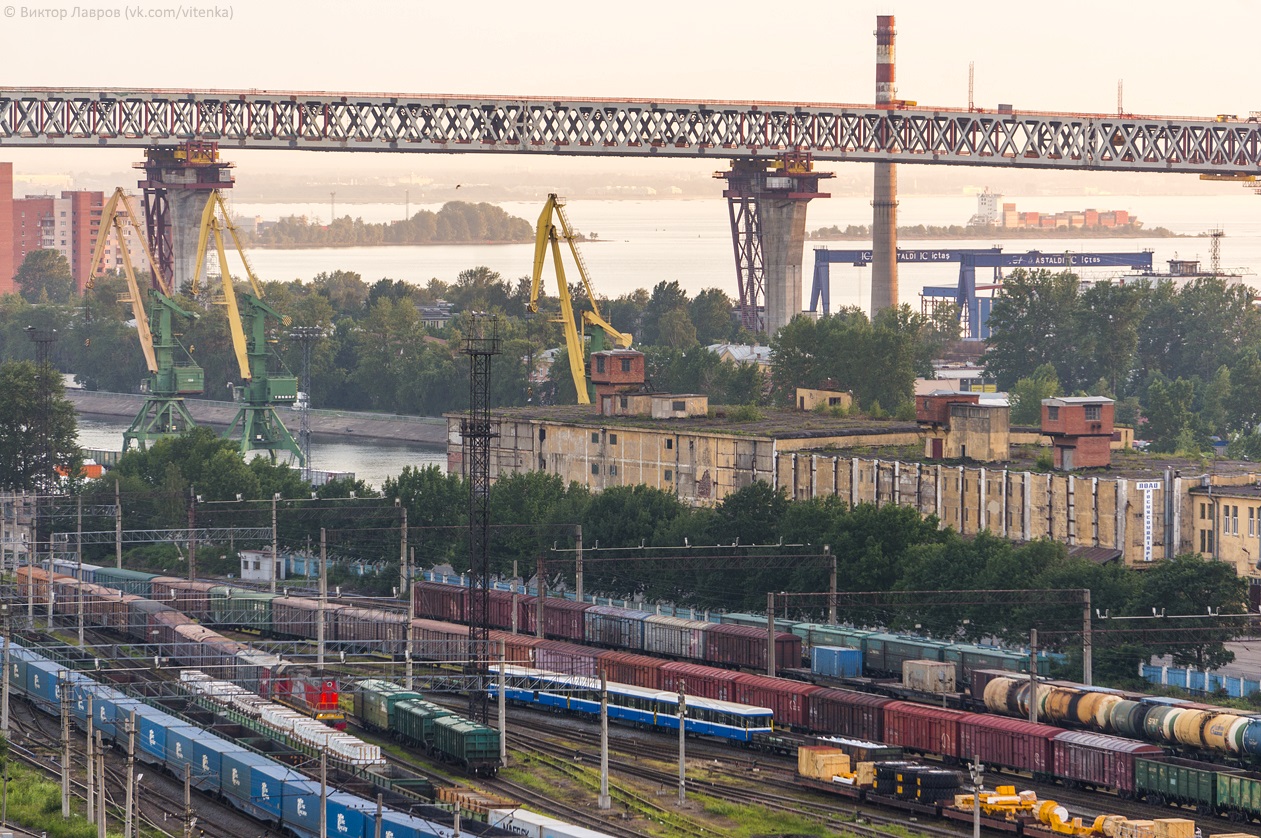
{"points": [[409, 762]]}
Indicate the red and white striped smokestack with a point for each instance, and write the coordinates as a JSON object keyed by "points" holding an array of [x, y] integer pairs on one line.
{"points": [[886, 74], [884, 199]]}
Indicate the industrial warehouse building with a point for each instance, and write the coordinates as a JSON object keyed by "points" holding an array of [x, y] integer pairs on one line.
{"points": [[1128, 512]]}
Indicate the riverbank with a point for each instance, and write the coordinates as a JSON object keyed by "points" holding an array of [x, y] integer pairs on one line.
{"points": [[423, 430]]}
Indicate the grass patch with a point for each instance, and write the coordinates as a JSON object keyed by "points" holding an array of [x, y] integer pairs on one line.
{"points": [[749, 821], [35, 804]]}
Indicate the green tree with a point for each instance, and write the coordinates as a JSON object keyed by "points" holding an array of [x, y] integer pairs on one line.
{"points": [[1032, 324], [1169, 413], [45, 277], [1183, 586], [666, 297], [710, 311], [1027, 395], [38, 429], [676, 330]]}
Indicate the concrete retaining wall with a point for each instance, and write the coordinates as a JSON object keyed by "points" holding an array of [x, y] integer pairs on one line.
{"points": [[418, 429]]}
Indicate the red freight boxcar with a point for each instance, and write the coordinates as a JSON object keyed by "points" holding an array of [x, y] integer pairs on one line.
{"points": [[789, 699], [518, 648], [1093, 759], [744, 647], [372, 630], [917, 727], [705, 681], [191, 598], [501, 611], [630, 668], [438, 641], [440, 602], [848, 713], [1001, 742], [566, 658], [563, 619], [293, 616]]}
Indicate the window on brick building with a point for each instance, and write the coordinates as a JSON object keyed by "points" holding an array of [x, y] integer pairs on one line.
{"points": [[612, 439], [599, 363], [669, 444], [1052, 413], [1252, 522], [595, 468], [626, 365], [677, 406], [613, 470], [1094, 412], [595, 437], [669, 474]]}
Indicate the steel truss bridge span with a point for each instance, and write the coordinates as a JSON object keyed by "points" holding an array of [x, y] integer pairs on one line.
{"points": [[254, 119]]}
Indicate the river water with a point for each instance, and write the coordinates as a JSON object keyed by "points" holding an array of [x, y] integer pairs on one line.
{"points": [[643, 242], [371, 462]]}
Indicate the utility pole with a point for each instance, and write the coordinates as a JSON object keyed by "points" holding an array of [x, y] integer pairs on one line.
{"points": [[604, 802], [376, 831], [978, 774], [578, 559], [319, 625], [682, 745], [4, 678], [30, 595], [91, 784], [503, 704], [192, 540], [189, 820], [131, 775], [64, 686], [516, 580], [100, 790], [540, 600], [118, 528], [323, 794], [827, 551], [79, 590], [275, 542], [411, 629], [770, 634], [404, 575], [1087, 642], [1033, 675]]}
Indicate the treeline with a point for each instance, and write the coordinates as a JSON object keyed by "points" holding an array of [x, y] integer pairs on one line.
{"points": [[862, 232], [1183, 361], [457, 222], [388, 346], [643, 542]]}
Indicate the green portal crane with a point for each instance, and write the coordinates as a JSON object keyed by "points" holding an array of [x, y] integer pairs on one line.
{"points": [[256, 425], [172, 372]]}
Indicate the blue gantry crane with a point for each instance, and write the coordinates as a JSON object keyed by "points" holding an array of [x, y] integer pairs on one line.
{"points": [[973, 310]]}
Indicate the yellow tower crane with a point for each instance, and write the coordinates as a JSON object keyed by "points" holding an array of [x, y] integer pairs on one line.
{"points": [[550, 234]]}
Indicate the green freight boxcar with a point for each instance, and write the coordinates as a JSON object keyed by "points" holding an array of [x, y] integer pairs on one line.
{"points": [[474, 746], [127, 581], [414, 718], [1184, 782], [375, 702], [1239, 795], [241, 608]]}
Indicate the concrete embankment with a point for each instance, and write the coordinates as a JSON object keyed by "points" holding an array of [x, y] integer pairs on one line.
{"points": [[419, 429]]}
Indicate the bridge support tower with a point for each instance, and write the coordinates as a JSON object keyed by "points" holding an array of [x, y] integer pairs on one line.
{"points": [[177, 184], [766, 202]]}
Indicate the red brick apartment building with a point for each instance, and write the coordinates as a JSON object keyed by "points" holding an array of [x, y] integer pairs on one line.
{"points": [[69, 224]]}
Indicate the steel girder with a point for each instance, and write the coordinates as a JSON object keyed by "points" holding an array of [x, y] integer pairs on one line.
{"points": [[861, 133]]}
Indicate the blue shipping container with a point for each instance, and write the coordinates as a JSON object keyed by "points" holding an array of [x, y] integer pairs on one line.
{"points": [[836, 661]]}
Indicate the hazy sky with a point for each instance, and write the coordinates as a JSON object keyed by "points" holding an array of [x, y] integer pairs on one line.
{"points": [[1175, 59]]}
